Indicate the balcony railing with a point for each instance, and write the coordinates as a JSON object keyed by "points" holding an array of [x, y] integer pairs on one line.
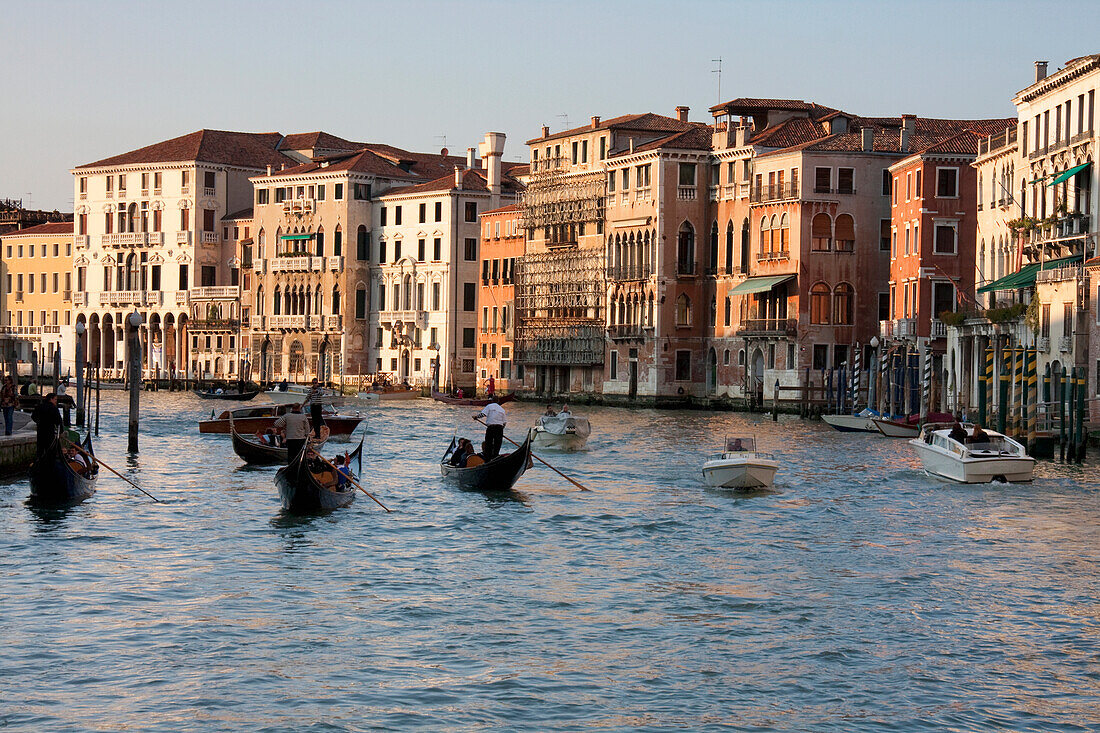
{"points": [[183, 238], [334, 323], [629, 272], [131, 297], [295, 206], [1065, 344], [418, 317], [939, 329], [300, 322], [1060, 274], [80, 241], [1042, 343], [781, 254], [258, 265], [335, 264], [216, 291], [768, 327], [181, 298], [131, 239], [298, 263], [629, 331], [684, 267], [996, 142], [215, 323], [208, 191], [211, 238], [686, 193], [774, 192], [80, 298]]}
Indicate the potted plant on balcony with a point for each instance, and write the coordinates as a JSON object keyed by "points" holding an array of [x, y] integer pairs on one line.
{"points": [[953, 318]]}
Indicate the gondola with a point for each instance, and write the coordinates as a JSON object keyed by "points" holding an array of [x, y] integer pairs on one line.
{"points": [[498, 475], [56, 483], [251, 419], [236, 396], [470, 401], [260, 454], [303, 491]]}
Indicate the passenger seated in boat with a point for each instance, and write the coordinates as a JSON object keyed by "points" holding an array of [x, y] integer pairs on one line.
{"points": [[549, 411], [958, 432], [76, 461], [284, 386], [343, 470], [735, 446], [461, 452], [565, 411], [978, 436]]}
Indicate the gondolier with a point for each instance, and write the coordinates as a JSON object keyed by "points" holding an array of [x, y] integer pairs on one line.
{"points": [[495, 420], [315, 401], [294, 427], [48, 420]]}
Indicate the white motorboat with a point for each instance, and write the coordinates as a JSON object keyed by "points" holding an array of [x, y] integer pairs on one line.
{"points": [[740, 466], [562, 432], [896, 428], [296, 394], [860, 423], [996, 457]]}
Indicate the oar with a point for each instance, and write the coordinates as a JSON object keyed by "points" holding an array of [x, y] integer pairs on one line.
{"points": [[575, 483], [353, 481], [89, 455]]}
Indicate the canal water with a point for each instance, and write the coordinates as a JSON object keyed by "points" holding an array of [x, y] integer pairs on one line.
{"points": [[858, 595]]}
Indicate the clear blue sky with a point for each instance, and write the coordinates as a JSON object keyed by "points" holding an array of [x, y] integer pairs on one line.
{"points": [[90, 79]]}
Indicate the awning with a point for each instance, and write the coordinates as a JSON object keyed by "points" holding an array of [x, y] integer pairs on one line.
{"points": [[296, 237], [1068, 174], [760, 284], [1026, 275]]}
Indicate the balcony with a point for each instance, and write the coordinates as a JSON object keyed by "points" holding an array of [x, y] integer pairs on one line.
{"points": [[139, 298], [996, 142], [181, 298], [294, 263], [1067, 228], [183, 238], [215, 324], [629, 272], [1065, 344], [1060, 274], [208, 191], [939, 329], [258, 266], [729, 191], [774, 327], [1042, 343], [298, 206], [80, 241], [335, 264], [686, 193], [211, 238], [185, 189], [66, 295], [418, 317], [300, 322], [685, 268], [774, 192], [131, 239], [231, 292], [80, 298], [773, 255], [334, 323], [629, 331]]}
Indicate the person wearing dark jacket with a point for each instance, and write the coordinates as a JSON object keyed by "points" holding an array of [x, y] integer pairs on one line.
{"points": [[48, 420]]}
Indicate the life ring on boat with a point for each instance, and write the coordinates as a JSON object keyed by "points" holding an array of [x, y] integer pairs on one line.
{"points": [[679, 390]]}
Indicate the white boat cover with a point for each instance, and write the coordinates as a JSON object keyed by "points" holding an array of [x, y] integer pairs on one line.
{"points": [[565, 424]]}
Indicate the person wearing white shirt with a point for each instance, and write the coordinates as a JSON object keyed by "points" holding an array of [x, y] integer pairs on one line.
{"points": [[495, 421]]}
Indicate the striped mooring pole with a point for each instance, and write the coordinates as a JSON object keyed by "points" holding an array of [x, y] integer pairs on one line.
{"points": [[856, 369], [926, 382], [1032, 400]]}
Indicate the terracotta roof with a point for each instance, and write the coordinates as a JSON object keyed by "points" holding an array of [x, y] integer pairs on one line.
{"points": [[246, 149], [759, 104], [472, 180], [699, 137], [319, 139], [242, 214], [928, 134], [502, 210], [645, 122], [53, 227], [363, 161], [796, 131]]}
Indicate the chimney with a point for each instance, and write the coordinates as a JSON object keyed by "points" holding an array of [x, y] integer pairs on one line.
{"points": [[903, 143], [742, 136], [908, 128], [493, 150], [682, 113], [269, 169], [1040, 71], [282, 167], [546, 130], [868, 139], [458, 178], [595, 121], [471, 159]]}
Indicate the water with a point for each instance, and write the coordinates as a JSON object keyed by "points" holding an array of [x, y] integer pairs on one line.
{"points": [[859, 595]]}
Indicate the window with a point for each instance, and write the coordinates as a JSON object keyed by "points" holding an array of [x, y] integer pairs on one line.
{"points": [[435, 297], [821, 232], [361, 191], [439, 211], [823, 180], [945, 239], [437, 249], [397, 216], [574, 159], [943, 298], [208, 179], [685, 249], [845, 233], [208, 220], [1044, 320], [947, 182], [382, 252], [611, 182], [261, 195], [468, 338], [321, 192], [382, 216], [362, 244], [613, 370], [687, 176], [845, 180], [469, 296], [603, 148], [423, 213], [338, 242], [183, 278], [917, 185], [396, 250], [1067, 319], [420, 250], [819, 304], [471, 211], [470, 253], [843, 301], [338, 192], [683, 311], [683, 365]]}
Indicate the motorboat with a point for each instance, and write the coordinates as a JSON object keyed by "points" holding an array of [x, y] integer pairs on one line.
{"points": [[564, 432], [993, 457], [907, 428], [249, 420], [740, 466], [860, 423], [390, 392], [297, 394]]}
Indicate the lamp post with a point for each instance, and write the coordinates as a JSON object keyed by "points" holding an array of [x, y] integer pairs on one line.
{"points": [[80, 330], [135, 321], [872, 399]]}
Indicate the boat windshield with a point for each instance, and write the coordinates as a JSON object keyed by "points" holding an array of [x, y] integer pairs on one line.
{"points": [[734, 445], [995, 444]]}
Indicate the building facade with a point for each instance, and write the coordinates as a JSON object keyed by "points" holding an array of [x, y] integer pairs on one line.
{"points": [[502, 244]]}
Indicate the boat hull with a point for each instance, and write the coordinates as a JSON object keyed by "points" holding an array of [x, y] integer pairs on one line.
{"points": [[974, 470], [301, 493], [55, 483], [470, 401], [498, 475], [895, 429], [850, 423], [737, 473], [410, 394], [567, 443], [233, 396]]}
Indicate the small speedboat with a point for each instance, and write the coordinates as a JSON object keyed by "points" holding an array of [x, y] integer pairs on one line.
{"points": [[993, 457], [861, 423], [740, 466], [562, 432], [907, 428], [390, 393]]}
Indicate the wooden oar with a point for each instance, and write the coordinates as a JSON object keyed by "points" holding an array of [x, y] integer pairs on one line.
{"points": [[353, 481], [575, 483], [89, 455]]}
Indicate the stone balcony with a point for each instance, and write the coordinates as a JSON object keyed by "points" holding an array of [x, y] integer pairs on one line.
{"points": [[218, 292], [417, 317], [131, 239], [629, 332], [768, 327], [142, 298]]}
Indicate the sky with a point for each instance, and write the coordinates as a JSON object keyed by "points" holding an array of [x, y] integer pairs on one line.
{"points": [[86, 80]]}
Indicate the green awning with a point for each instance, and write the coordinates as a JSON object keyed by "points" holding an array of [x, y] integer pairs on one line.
{"points": [[1067, 174], [760, 284], [1026, 275], [1037, 180], [296, 237]]}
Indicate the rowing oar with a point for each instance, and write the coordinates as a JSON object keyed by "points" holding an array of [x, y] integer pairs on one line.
{"points": [[575, 483], [353, 481], [89, 455]]}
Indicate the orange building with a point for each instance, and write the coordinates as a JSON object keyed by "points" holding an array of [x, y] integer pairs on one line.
{"points": [[502, 242]]}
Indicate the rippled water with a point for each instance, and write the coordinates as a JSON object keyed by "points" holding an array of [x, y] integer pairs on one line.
{"points": [[860, 594]]}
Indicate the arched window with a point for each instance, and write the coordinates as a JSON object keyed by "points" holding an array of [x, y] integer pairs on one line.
{"points": [[740, 357], [819, 303], [729, 311], [980, 189], [845, 233], [260, 300], [821, 233], [261, 240], [132, 272], [338, 242], [784, 234], [685, 249], [712, 264], [318, 301], [320, 241], [406, 287], [729, 247], [984, 274], [774, 236], [683, 310], [843, 302], [764, 248], [335, 300], [744, 262], [726, 357], [362, 244], [277, 303]]}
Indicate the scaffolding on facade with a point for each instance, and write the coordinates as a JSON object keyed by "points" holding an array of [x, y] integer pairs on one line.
{"points": [[556, 198], [560, 308]]}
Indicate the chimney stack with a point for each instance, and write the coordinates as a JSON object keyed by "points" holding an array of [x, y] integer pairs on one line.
{"points": [[269, 169], [682, 113], [546, 130], [492, 151], [1040, 71], [595, 121], [471, 159], [868, 139], [458, 178], [908, 129]]}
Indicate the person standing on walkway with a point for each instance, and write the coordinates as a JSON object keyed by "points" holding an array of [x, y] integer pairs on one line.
{"points": [[495, 420], [9, 400], [48, 420], [491, 387], [315, 400], [294, 427]]}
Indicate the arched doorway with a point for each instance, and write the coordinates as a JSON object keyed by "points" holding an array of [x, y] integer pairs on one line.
{"points": [[404, 373], [756, 377], [712, 371], [267, 370], [323, 375], [297, 364]]}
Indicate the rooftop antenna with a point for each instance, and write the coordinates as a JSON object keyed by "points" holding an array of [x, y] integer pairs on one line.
{"points": [[565, 120], [442, 139], [718, 71]]}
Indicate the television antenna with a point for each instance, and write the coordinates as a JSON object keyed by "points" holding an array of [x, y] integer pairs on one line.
{"points": [[718, 71]]}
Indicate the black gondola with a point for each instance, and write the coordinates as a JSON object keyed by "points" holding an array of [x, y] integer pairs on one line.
{"points": [[499, 474], [236, 396], [55, 482], [304, 490]]}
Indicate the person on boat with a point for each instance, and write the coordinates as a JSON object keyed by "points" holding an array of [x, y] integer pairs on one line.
{"points": [[48, 420], [9, 400], [958, 432], [284, 385], [736, 445], [461, 452], [491, 387], [76, 461], [293, 427], [343, 471], [315, 400], [549, 412], [565, 411], [495, 420], [979, 435]]}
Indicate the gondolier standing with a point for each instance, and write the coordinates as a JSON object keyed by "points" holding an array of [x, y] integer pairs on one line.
{"points": [[315, 402], [48, 420], [294, 427], [495, 421]]}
